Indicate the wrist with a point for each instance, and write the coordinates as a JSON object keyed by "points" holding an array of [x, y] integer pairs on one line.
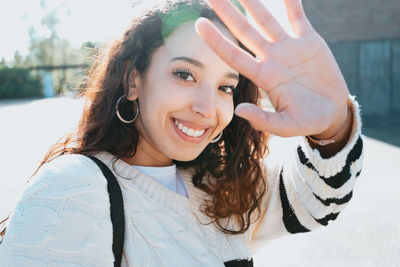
{"points": [[336, 133]]}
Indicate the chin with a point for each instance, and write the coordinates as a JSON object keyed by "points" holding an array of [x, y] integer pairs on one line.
{"points": [[186, 157]]}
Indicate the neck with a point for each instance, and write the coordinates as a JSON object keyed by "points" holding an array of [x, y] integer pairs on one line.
{"points": [[147, 155]]}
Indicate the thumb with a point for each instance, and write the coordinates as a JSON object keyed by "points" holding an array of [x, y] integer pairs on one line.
{"points": [[272, 122]]}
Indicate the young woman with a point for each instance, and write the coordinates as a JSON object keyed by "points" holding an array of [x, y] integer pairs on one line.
{"points": [[171, 109]]}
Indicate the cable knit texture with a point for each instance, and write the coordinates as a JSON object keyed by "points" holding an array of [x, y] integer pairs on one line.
{"points": [[63, 217]]}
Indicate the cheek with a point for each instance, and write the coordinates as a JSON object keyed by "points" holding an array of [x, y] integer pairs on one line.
{"points": [[157, 103], [226, 111]]}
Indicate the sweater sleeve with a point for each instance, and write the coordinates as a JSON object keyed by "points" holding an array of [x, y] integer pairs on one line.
{"points": [[62, 218], [309, 191]]}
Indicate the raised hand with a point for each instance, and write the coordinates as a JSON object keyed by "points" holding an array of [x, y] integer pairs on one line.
{"points": [[299, 75]]}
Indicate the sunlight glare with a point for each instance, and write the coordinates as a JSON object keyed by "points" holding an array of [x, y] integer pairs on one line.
{"points": [[81, 21]]}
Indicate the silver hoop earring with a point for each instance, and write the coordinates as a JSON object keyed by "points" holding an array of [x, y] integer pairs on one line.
{"points": [[216, 139], [119, 115]]}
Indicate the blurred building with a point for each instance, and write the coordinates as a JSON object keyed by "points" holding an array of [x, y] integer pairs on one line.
{"points": [[364, 36]]}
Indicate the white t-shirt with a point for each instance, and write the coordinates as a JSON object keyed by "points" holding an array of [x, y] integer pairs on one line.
{"points": [[167, 176]]}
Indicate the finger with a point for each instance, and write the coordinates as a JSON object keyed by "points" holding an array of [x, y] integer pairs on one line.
{"points": [[240, 27], [272, 122], [264, 19], [297, 17], [234, 56]]}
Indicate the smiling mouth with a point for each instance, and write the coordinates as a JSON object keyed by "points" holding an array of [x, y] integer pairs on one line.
{"points": [[189, 131]]}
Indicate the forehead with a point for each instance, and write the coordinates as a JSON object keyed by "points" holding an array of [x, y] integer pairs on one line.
{"points": [[184, 41]]}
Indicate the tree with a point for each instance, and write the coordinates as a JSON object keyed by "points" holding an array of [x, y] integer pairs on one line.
{"points": [[17, 59], [43, 48], [3, 63]]}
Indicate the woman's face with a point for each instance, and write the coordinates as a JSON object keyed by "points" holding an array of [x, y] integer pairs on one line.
{"points": [[185, 99]]}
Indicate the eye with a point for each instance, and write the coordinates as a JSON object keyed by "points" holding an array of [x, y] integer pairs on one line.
{"points": [[229, 89], [184, 74]]}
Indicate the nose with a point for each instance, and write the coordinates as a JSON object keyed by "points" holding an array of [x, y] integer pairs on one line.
{"points": [[204, 101]]}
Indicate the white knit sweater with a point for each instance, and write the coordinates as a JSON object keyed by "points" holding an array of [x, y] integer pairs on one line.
{"points": [[63, 217]]}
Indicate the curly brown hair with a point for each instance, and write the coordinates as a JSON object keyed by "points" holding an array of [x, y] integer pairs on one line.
{"points": [[234, 162]]}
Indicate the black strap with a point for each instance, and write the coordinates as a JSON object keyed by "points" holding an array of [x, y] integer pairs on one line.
{"points": [[239, 263], [117, 210]]}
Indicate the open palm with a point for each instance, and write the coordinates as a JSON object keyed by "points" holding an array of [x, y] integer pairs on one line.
{"points": [[299, 75]]}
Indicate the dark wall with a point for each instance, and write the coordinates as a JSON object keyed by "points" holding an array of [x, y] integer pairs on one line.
{"points": [[372, 72], [347, 20], [364, 36]]}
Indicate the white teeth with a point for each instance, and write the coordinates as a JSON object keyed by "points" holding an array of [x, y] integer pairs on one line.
{"points": [[180, 126], [189, 131]]}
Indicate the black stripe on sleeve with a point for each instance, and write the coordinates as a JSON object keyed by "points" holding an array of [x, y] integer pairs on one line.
{"points": [[292, 224], [330, 217], [344, 175], [337, 201]]}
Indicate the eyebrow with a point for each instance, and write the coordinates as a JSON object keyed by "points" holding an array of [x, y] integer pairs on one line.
{"points": [[201, 65]]}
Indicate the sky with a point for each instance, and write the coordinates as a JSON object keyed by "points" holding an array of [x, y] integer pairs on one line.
{"points": [[80, 21]]}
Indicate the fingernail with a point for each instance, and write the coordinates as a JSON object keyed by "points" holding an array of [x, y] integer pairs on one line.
{"points": [[196, 23]]}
